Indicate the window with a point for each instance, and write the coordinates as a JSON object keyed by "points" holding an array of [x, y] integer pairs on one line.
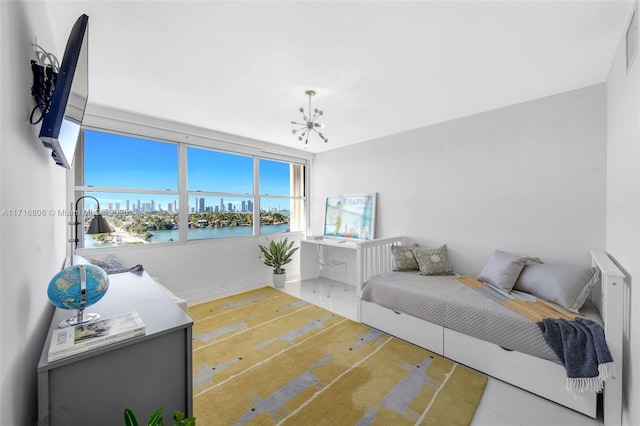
{"points": [[136, 182], [281, 197], [140, 186], [220, 194]]}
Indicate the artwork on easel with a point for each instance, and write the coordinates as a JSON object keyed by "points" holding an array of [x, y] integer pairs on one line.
{"points": [[350, 216]]}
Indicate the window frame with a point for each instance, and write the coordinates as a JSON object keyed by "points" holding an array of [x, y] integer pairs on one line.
{"points": [[184, 141]]}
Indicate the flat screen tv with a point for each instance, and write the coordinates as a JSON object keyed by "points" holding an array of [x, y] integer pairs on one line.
{"points": [[61, 124], [350, 216]]}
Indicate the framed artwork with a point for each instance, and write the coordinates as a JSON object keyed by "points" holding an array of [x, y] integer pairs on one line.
{"points": [[350, 216]]}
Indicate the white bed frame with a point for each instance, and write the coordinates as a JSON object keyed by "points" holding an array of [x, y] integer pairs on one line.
{"points": [[541, 377]]}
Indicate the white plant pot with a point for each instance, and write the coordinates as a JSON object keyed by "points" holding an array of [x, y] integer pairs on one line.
{"points": [[279, 279]]}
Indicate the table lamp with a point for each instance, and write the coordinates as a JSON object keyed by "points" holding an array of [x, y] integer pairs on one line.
{"points": [[98, 224]]}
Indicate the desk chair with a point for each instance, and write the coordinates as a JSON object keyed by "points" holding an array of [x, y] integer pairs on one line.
{"points": [[329, 265]]}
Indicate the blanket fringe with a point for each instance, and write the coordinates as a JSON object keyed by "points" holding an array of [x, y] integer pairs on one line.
{"points": [[582, 385]]}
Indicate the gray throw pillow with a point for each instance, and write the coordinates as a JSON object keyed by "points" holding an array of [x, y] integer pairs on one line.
{"points": [[403, 258], [433, 261], [502, 270], [567, 286], [110, 264]]}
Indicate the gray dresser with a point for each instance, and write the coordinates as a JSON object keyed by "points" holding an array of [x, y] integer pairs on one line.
{"points": [[142, 373]]}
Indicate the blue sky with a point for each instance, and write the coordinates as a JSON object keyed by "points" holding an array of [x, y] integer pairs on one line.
{"points": [[117, 161]]}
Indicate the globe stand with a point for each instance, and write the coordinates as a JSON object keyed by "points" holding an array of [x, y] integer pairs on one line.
{"points": [[79, 318]]}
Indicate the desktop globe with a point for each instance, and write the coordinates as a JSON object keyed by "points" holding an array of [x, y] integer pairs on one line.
{"points": [[77, 287]]}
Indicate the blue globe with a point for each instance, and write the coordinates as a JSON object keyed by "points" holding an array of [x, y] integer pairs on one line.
{"points": [[65, 288]]}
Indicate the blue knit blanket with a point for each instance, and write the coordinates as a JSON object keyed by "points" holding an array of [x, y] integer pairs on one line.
{"points": [[579, 343], [581, 347]]}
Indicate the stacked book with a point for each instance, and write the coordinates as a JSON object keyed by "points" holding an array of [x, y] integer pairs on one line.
{"points": [[83, 337]]}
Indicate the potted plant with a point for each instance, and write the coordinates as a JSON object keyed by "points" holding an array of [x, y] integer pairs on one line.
{"points": [[276, 254], [155, 419]]}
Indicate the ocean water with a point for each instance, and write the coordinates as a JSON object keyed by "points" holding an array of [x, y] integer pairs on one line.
{"points": [[224, 232], [203, 233]]}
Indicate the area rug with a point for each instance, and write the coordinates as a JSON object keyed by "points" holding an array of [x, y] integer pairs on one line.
{"points": [[265, 357]]}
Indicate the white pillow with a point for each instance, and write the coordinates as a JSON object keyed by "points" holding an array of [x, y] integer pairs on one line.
{"points": [[567, 286], [502, 270]]}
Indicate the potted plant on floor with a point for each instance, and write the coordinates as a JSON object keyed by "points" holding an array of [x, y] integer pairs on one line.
{"points": [[276, 254]]}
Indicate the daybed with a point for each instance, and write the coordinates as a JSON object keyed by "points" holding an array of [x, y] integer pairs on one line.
{"points": [[474, 330]]}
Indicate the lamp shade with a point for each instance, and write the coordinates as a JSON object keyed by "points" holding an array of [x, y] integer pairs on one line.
{"points": [[98, 225]]}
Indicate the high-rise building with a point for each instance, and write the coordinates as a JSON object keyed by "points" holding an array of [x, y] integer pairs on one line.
{"points": [[153, 205], [244, 206], [127, 205], [230, 207], [201, 204], [222, 204]]}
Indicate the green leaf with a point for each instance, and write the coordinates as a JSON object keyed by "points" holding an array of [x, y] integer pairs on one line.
{"points": [[129, 418], [180, 419], [156, 418]]}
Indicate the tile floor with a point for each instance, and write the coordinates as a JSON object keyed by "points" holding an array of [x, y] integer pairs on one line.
{"points": [[501, 405]]}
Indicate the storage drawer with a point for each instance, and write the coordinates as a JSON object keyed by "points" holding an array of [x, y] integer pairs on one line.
{"points": [[406, 327], [539, 376]]}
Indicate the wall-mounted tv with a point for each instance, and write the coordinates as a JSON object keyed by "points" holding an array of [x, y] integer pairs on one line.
{"points": [[350, 216], [61, 124]]}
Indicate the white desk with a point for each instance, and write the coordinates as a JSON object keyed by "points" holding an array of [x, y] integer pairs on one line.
{"points": [[337, 249]]}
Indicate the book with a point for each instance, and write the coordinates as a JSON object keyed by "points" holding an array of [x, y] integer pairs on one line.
{"points": [[84, 337]]}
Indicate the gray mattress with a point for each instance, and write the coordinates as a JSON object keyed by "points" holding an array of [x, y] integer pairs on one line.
{"points": [[445, 301]]}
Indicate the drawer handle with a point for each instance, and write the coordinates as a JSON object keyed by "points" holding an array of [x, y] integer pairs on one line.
{"points": [[506, 349], [396, 312]]}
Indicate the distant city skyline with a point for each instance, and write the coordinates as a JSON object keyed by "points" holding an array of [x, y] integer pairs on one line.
{"points": [[141, 164], [200, 205]]}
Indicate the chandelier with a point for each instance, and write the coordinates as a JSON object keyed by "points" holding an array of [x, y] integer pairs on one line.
{"points": [[310, 124]]}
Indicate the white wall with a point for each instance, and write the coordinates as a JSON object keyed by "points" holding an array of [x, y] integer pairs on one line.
{"points": [[528, 178], [31, 248], [623, 209], [203, 270]]}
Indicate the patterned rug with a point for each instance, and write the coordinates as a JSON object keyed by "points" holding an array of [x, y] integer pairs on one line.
{"points": [[264, 357]]}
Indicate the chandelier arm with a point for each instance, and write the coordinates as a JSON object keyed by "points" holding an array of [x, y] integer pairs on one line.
{"points": [[310, 122]]}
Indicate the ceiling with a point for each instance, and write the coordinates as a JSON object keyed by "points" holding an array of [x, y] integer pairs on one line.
{"points": [[378, 67]]}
